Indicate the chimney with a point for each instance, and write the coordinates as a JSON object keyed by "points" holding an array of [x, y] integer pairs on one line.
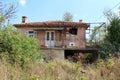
{"points": [[24, 19], [80, 20]]}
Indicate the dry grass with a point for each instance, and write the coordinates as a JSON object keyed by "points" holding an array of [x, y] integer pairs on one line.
{"points": [[62, 70], [8, 72]]}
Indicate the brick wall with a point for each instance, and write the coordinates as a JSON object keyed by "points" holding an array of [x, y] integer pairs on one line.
{"points": [[61, 39], [80, 38]]}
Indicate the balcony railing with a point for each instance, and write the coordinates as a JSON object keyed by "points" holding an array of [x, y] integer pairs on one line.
{"points": [[76, 43]]}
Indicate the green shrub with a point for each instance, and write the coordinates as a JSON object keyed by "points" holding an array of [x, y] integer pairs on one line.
{"points": [[113, 31], [105, 50], [89, 57], [17, 47]]}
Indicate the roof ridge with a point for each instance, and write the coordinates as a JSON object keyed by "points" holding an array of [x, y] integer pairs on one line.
{"points": [[53, 23]]}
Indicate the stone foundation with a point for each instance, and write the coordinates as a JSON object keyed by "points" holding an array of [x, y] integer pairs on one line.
{"points": [[52, 53]]}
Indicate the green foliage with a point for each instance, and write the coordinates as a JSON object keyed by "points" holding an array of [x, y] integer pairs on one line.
{"points": [[17, 47], [35, 77], [89, 57], [98, 34], [7, 11], [1, 18], [108, 63], [114, 32], [77, 67], [105, 50], [111, 41], [100, 63], [68, 16]]}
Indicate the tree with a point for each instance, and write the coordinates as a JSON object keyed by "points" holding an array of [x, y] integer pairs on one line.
{"points": [[113, 29], [7, 11], [15, 47], [98, 34], [68, 16], [18, 48]]}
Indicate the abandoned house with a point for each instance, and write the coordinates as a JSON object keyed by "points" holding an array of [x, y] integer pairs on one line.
{"points": [[56, 38]]}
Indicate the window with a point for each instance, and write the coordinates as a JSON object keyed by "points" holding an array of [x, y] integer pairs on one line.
{"points": [[47, 35], [31, 33], [52, 35], [73, 31]]}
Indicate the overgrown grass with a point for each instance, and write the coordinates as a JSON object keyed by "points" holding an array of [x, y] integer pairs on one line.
{"points": [[62, 70]]}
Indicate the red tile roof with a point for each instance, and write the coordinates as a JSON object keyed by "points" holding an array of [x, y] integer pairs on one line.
{"points": [[53, 23]]}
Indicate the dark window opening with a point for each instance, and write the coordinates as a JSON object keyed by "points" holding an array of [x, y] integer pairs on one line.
{"points": [[47, 35], [52, 35], [73, 31]]}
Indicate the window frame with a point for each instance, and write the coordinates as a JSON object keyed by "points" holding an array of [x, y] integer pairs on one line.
{"points": [[32, 34]]}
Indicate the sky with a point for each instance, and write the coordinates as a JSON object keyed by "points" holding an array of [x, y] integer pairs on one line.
{"points": [[89, 11]]}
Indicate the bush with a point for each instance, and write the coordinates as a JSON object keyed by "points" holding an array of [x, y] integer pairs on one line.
{"points": [[17, 47], [113, 34], [105, 50]]}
